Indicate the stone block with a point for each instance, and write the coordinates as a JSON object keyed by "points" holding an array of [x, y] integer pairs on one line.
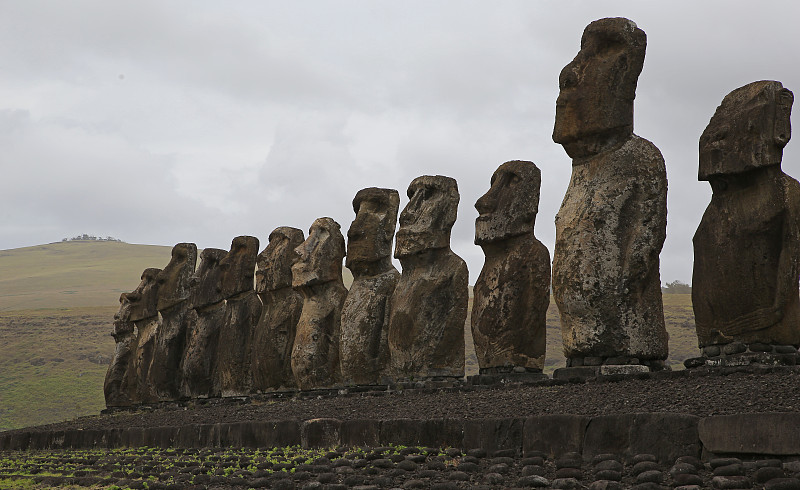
{"points": [[40, 440], [17, 441], [665, 435], [361, 433], [162, 437], [554, 435], [83, 439], [423, 433], [320, 433], [582, 372], [493, 434], [195, 435], [755, 433], [612, 369]]}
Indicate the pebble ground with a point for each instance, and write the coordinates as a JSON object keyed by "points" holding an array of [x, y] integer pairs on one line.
{"points": [[686, 392]]}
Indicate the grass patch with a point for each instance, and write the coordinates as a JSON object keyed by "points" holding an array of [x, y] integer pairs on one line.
{"points": [[69, 274], [52, 364]]}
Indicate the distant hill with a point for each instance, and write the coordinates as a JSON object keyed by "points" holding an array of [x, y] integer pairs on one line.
{"points": [[73, 273], [77, 273]]}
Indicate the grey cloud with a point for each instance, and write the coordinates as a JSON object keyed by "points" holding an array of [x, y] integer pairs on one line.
{"points": [[238, 118]]}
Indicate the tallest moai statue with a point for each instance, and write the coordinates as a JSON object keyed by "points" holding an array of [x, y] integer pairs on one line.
{"points": [[612, 222]]}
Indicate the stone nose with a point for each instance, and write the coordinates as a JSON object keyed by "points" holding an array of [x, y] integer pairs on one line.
{"points": [[487, 202], [568, 77]]}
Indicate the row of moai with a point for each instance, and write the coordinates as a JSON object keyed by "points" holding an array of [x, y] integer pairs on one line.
{"points": [[300, 327]]}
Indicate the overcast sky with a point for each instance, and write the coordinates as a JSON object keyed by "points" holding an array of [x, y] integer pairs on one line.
{"points": [[162, 122]]}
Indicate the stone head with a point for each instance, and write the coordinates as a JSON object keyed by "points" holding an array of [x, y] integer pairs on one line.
{"points": [[370, 236], [319, 257], [122, 318], [509, 208], [594, 109], [239, 266], [207, 281], [144, 299], [429, 216], [274, 264], [748, 130], [175, 280]]}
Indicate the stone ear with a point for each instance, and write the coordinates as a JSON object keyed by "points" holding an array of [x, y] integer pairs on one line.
{"points": [[783, 111]]}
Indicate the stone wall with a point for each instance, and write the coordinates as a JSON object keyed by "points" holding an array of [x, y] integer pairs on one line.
{"points": [[665, 435]]}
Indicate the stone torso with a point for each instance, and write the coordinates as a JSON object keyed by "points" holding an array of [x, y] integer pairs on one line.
{"points": [[428, 312], [510, 303], [119, 386], [315, 354], [609, 233], [744, 285], [168, 352], [232, 371], [273, 339], [201, 349], [145, 345], [365, 325]]}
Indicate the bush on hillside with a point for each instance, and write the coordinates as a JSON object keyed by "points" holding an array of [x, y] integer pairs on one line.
{"points": [[86, 237]]}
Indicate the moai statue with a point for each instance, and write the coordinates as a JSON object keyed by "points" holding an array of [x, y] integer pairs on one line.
{"points": [[612, 222], [119, 387], [203, 325], [429, 304], [174, 290], [512, 293], [144, 315], [365, 317], [747, 247], [317, 275], [273, 337], [232, 375]]}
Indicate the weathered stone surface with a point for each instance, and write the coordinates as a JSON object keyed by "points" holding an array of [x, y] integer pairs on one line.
{"points": [[611, 370], [554, 435], [612, 222], [494, 434], [365, 315], [317, 275], [203, 325], [174, 290], [119, 386], [360, 433], [429, 304], [667, 436], [273, 337], [320, 433], [755, 433], [747, 246], [512, 292], [232, 374], [423, 433], [144, 316]]}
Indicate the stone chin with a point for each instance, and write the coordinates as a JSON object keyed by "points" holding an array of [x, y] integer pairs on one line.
{"points": [[413, 243], [361, 252], [489, 229], [302, 276]]}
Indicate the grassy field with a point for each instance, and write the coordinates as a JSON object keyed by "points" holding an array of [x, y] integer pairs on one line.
{"points": [[57, 303], [75, 273], [52, 364]]}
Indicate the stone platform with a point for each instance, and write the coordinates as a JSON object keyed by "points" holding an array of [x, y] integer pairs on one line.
{"points": [[739, 354], [665, 435]]}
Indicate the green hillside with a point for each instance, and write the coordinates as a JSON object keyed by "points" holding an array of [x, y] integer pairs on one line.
{"points": [[77, 273], [57, 302], [73, 273]]}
